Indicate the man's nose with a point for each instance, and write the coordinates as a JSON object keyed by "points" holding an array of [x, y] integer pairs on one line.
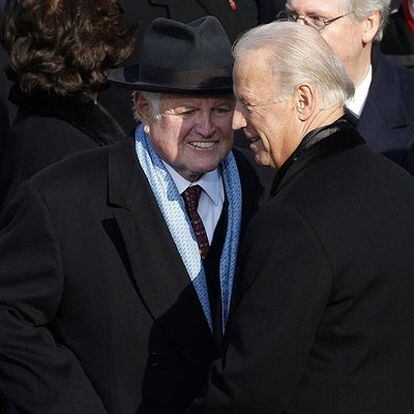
{"points": [[239, 121], [205, 125]]}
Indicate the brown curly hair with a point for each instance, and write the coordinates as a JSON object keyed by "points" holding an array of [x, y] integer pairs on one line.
{"points": [[64, 46]]}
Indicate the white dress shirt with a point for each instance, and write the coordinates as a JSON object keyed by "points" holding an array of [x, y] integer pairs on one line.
{"points": [[211, 201], [357, 102]]}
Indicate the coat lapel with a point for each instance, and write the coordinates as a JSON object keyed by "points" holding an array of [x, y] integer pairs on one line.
{"points": [[384, 120], [345, 138], [160, 277]]}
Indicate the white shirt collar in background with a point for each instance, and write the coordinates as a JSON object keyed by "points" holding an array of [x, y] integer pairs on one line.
{"points": [[357, 102]]}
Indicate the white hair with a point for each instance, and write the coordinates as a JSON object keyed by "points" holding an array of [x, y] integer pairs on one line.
{"points": [[154, 102], [298, 55], [362, 8]]}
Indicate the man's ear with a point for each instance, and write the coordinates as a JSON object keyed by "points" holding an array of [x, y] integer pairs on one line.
{"points": [[304, 101], [142, 107], [371, 25]]}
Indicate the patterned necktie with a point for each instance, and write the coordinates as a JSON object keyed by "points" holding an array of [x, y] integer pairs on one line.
{"points": [[191, 197]]}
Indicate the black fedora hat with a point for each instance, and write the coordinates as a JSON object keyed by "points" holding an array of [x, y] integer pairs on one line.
{"points": [[179, 57]]}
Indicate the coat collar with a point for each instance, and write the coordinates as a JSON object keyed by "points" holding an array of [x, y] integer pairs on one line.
{"points": [[156, 269], [78, 110], [319, 143]]}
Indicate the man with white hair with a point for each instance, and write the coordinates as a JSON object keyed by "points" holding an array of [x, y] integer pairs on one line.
{"points": [[325, 307], [384, 98], [117, 264]]}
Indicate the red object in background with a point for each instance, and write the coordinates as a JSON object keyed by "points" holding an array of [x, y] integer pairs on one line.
{"points": [[233, 4], [407, 15]]}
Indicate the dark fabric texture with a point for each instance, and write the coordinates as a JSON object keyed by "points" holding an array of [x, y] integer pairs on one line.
{"points": [[48, 129], [268, 9], [325, 305], [398, 41], [5, 84], [387, 120], [97, 313], [7, 114], [211, 266]]}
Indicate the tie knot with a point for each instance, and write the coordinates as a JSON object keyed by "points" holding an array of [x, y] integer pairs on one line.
{"points": [[192, 196]]}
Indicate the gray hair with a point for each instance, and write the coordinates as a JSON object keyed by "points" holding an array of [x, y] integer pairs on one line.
{"points": [[154, 102], [362, 8], [298, 55]]}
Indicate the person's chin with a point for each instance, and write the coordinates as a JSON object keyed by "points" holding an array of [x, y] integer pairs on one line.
{"points": [[261, 160]]}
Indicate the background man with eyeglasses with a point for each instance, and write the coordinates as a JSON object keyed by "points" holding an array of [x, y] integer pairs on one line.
{"points": [[384, 98]]}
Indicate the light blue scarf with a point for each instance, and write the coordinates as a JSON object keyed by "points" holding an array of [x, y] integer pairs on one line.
{"points": [[172, 208]]}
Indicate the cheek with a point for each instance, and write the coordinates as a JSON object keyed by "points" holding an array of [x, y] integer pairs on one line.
{"points": [[226, 132], [335, 42], [165, 138], [253, 121]]}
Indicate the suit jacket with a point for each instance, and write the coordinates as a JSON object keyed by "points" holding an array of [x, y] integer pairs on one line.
{"points": [[48, 129], [325, 306], [97, 313], [387, 120]]}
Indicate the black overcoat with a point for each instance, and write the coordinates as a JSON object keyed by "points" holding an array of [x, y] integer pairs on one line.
{"points": [[48, 128], [97, 313], [325, 308]]}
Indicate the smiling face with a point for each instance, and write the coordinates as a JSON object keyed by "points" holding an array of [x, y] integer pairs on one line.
{"points": [[269, 124], [192, 134]]}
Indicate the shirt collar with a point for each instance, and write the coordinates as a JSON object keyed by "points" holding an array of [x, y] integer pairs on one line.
{"points": [[210, 182], [357, 102]]}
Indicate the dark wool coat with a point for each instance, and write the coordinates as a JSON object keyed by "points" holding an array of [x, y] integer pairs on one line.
{"points": [[48, 129], [325, 307], [97, 312], [387, 120]]}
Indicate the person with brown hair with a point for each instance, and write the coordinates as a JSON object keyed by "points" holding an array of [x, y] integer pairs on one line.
{"points": [[61, 52]]}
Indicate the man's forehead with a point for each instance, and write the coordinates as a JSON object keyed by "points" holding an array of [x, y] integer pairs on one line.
{"points": [[252, 73], [315, 6], [184, 99]]}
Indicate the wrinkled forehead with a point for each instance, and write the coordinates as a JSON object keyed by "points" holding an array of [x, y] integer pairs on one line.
{"points": [[171, 100], [320, 7]]}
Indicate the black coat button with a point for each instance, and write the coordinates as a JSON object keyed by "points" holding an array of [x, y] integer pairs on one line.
{"points": [[154, 359]]}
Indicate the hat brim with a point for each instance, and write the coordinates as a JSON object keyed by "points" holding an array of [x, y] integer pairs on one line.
{"points": [[124, 78]]}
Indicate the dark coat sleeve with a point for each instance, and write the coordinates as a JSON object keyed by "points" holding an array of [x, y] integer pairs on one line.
{"points": [[284, 291], [37, 374]]}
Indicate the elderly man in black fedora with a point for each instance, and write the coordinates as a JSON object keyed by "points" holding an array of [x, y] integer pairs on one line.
{"points": [[118, 263]]}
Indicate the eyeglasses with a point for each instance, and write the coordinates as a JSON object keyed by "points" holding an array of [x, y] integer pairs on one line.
{"points": [[313, 20]]}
